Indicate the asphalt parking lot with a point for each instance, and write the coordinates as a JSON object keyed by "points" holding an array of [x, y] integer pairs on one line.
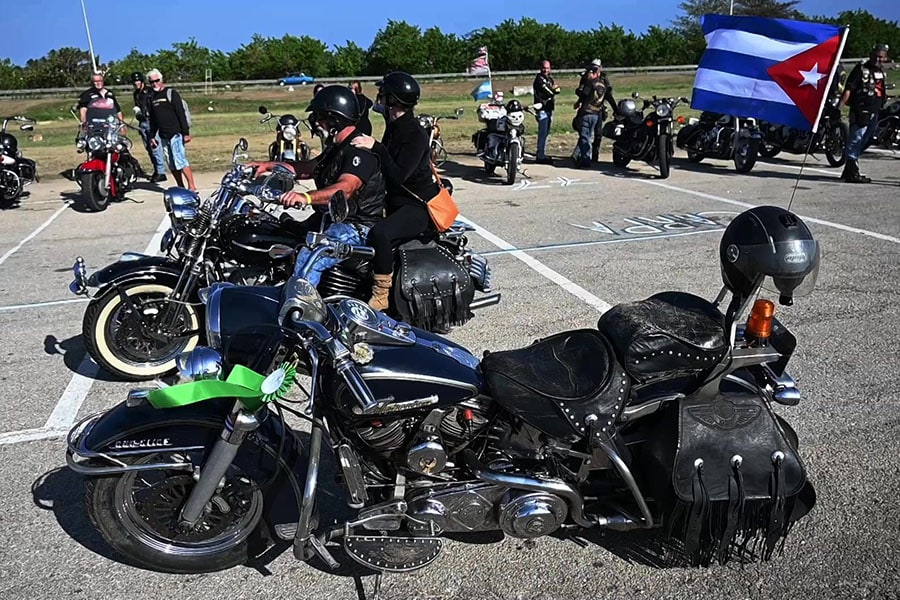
{"points": [[564, 245]]}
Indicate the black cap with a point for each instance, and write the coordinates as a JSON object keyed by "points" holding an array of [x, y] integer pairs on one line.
{"points": [[137, 76]]}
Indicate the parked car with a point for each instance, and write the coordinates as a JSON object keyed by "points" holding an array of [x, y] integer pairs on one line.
{"points": [[296, 79]]}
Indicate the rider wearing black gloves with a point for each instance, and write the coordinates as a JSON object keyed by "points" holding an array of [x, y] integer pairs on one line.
{"points": [[341, 167], [406, 163]]}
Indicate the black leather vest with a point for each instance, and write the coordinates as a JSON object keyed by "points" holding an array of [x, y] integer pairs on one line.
{"points": [[367, 206], [865, 98]]}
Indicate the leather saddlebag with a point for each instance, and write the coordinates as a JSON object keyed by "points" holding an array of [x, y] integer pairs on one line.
{"points": [[431, 289]]}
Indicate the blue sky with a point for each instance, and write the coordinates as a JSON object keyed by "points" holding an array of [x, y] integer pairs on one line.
{"points": [[34, 27]]}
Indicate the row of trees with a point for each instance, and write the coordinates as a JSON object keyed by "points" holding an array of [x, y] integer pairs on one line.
{"points": [[513, 45]]}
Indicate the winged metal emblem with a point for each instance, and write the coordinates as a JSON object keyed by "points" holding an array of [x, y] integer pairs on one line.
{"points": [[725, 414]]}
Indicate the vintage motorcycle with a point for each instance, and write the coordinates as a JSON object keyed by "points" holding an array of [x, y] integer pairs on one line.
{"points": [[830, 138], [660, 418], [887, 129], [501, 143], [430, 124], [16, 171], [109, 170], [715, 135], [145, 310], [636, 137], [287, 144]]}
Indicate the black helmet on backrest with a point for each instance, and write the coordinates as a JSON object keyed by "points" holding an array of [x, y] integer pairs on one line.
{"points": [[8, 144], [137, 76], [771, 247], [514, 106], [338, 104], [399, 88]]}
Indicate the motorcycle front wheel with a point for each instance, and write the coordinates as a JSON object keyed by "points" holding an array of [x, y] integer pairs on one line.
{"points": [[438, 153], [10, 187], [512, 165], [662, 154], [620, 159], [94, 193], [137, 513], [836, 144], [116, 337], [745, 154]]}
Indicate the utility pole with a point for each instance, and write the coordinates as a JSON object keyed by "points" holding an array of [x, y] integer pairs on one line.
{"points": [[90, 42]]}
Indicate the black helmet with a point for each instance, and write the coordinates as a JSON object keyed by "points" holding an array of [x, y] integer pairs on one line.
{"points": [[514, 106], [772, 247], [339, 103], [8, 144], [137, 76], [399, 88]]}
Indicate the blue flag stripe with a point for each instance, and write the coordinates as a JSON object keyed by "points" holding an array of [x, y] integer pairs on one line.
{"points": [[737, 64], [779, 29], [761, 109]]}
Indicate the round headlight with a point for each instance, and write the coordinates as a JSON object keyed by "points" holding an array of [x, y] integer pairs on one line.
{"points": [[289, 132], [183, 214], [94, 143], [663, 110], [178, 196]]}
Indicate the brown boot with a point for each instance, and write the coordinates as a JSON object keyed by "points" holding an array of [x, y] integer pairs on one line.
{"points": [[381, 291]]}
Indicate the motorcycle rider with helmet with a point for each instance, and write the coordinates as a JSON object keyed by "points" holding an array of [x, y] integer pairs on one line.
{"points": [[341, 167], [141, 95], [406, 163], [865, 92]]}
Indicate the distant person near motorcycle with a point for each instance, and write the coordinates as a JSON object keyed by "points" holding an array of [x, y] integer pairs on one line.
{"points": [[865, 93], [169, 120], [364, 125], [141, 96], [593, 90], [545, 91], [406, 163], [342, 167], [97, 104]]}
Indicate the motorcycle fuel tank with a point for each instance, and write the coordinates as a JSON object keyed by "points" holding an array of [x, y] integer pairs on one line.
{"points": [[249, 238]]}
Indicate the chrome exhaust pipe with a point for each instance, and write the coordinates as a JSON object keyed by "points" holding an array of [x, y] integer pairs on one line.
{"points": [[489, 300]]}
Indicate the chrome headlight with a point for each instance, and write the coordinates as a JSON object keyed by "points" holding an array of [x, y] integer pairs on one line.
{"points": [[200, 363], [211, 296], [175, 197], [289, 132], [95, 143], [183, 214], [663, 110]]}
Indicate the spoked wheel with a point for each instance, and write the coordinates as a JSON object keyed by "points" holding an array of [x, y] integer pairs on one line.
{"points": [[138, 514], [118, 339], [745, 154], [836, 144], [10, 187], [438, 153]]}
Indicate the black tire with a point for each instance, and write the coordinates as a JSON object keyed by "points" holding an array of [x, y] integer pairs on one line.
{"points": [[662, 154], [438, 153], [11, 186], [836, 144], [304, 151], [745, 155], [489, 168], [769, 150], [619, 158], [115, 341], [94, 197], [694, 157], [136, 514], [512, 164]]}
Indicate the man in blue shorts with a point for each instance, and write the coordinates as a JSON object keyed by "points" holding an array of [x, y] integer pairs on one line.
{"points": [[169, 119]]}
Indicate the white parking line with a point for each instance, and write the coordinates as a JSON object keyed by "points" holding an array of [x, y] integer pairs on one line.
{"points": [[66, 410], [866, 232], [42, 304], [43, 226], [566, 284]]}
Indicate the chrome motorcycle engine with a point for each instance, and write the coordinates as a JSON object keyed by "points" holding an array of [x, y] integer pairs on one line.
{"points": [[532, 514], [427, 457]]}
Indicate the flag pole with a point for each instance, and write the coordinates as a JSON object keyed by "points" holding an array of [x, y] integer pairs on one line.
{"points": [[90, 42]]}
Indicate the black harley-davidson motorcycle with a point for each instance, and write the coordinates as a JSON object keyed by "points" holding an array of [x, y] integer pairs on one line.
{"points": [[501, 143], [16, 171], [639, 137], [726, 137], [145, 310], [660, 418], [287, 144], [887, 128], [830, 138]]}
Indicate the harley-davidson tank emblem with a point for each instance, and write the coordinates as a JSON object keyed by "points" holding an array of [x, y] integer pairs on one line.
{"points": [[725, 414]]}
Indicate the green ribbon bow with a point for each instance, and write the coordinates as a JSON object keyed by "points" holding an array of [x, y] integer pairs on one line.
{"points": [[251, 388]]}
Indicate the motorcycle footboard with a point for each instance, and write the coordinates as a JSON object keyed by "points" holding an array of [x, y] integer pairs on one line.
{"points": [[735, 483]]}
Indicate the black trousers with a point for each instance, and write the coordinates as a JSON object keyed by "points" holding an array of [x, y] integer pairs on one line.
{"points": [[407, 222]]}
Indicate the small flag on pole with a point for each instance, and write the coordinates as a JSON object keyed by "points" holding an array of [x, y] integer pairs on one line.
{"points": [[480, 66], [483, 90]]}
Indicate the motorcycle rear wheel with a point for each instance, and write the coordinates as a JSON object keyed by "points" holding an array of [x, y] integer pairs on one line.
{"points": [[96, 198], [620, 159], [769, 150], [137, 514], [836, 144], [694, 157], [116, 341]]}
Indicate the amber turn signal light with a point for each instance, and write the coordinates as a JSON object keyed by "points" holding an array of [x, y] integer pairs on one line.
{"points": [[759, 325]]}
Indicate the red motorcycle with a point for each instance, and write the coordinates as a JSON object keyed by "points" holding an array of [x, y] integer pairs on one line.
{"points": [[109, 170]]}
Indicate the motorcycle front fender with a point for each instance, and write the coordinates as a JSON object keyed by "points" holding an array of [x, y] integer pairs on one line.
{"points": [[94, 164], [130, 269]]}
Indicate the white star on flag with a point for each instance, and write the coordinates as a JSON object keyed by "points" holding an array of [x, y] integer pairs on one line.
{"points": [[812, 77]]}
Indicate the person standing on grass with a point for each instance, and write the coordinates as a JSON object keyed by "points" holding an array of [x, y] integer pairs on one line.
{"points": [[545, 89], [168, 119]]}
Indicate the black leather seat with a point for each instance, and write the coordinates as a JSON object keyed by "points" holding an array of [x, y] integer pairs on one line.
{"points": [[667, 336], [557, 382]]}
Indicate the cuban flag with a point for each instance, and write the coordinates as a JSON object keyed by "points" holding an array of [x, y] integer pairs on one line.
{"points": [[777, 70], [483, 90]]}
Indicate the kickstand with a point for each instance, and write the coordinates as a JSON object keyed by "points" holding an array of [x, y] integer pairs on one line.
{"points": [[361, 590], [377, 590]]}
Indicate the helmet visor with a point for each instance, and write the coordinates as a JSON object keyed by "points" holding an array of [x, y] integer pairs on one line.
{"points": [[789, 268]]}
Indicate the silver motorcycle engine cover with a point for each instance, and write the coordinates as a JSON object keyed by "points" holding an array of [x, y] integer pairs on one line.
{"points": [[428, 457], [532, 515]]}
